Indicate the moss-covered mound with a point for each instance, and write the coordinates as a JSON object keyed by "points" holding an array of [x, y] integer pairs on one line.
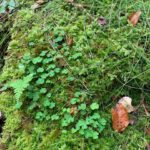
{"points": [[64, 71]]}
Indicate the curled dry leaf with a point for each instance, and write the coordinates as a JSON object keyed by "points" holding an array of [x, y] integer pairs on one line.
{"points": [[134, 18], [120, 118], [126, 102]]}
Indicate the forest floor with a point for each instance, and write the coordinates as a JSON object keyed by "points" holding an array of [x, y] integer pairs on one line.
{"points": [[96, 55]]}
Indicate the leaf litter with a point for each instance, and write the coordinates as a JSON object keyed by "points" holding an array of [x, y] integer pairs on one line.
{"points": [[120, 119]]}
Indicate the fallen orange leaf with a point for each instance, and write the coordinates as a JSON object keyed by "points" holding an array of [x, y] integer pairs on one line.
{"points": [[134, 18], [120, 118]]}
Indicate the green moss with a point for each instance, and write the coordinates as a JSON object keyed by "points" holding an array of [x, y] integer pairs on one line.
{"points": [[105, 61]]}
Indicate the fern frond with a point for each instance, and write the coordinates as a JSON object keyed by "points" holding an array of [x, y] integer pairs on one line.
{"points": [[20, 85]]}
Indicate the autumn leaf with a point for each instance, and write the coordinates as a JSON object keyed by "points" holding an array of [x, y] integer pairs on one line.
{"points": [[134, 18], [126, 102], [69, 41], [120, 118]]}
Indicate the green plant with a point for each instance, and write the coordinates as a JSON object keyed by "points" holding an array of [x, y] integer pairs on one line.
{"points": [[78, 80], [88, 126], [42, 92], [19, 86]]}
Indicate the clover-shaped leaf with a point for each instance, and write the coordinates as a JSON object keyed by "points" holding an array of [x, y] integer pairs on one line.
{"points": [[43, 90], [82, 106], [40, 81], [37, 60], [55, 117], [74, 101], [94, 106], [40, 69]]}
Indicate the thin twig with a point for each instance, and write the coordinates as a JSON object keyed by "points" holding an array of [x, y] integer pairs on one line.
{"points": [[145, 109]]}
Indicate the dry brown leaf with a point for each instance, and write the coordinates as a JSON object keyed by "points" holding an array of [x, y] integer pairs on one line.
{"points": [[134, 18], [73, 110], [126, 102], [120, 118], [69, 41]]}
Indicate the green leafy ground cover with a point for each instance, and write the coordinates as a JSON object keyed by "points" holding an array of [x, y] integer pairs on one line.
{"points": [[58, 95]]}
